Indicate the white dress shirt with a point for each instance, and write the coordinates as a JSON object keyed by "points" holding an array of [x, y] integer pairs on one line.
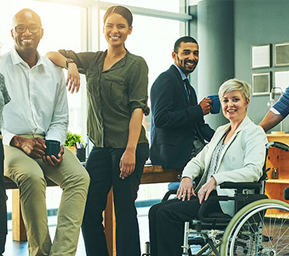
{"points": [[38, 99]]}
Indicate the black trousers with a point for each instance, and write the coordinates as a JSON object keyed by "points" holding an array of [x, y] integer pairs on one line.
{"points": [[3, 210], [103, 168], [166, 224]]}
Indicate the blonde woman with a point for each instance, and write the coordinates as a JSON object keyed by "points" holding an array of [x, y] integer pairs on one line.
{"points": [[235, 153]]}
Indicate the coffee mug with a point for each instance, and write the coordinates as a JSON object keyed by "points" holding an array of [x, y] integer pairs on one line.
{"points": [[216, 105], [52, 148]]}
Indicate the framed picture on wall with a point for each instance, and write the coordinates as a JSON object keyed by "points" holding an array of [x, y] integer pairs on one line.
{"points": [[261, 83], [281, 54], [281, 79], [260, 56]]}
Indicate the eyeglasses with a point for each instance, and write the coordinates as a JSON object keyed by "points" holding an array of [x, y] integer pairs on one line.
{"points": [[32, 28]]}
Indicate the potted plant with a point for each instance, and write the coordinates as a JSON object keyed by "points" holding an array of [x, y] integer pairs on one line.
{"points": [[71, 140]]}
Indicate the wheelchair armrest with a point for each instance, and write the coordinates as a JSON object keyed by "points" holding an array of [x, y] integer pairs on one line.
{"points": [[220, 218], [168, 194], [240, 200], [241, 185]]}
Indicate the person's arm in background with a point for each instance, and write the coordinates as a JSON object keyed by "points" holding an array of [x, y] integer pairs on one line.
{"points": [[277, 113], [73, 77], [270, 120]]}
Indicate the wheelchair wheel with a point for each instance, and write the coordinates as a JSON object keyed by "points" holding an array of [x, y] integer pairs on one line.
{"points": [[260, 228]]}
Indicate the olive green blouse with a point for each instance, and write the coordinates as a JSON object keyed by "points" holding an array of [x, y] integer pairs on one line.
{"points": [[112, 95]]}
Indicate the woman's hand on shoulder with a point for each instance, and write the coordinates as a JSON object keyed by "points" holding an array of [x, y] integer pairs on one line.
{"points": [[73, 78], [185, 189]]}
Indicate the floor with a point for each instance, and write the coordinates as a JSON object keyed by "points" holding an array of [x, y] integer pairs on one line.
{"points": [[20, 248]]}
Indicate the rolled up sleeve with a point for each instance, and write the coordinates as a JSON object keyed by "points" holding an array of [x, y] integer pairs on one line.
{"points": [[138, 87]]}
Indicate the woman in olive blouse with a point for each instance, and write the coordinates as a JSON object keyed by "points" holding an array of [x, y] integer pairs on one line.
{"points": [[117, 94]]}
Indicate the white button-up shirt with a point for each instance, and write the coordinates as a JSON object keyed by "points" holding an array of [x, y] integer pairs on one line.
{"points": [[38, 99]]}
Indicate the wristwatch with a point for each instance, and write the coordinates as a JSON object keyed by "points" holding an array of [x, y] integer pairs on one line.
{"points": [[69, 61]]}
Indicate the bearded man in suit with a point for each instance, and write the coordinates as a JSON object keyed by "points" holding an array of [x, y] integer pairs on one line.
{"points": [[177, 118]]}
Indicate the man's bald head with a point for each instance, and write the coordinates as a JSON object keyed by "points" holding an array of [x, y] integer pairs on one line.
{"points": [[26, 14], [27, 32]]}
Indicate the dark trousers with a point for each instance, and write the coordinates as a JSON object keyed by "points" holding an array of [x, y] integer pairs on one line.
{"points": [[3, 210], [103, 168], [166, 224]]}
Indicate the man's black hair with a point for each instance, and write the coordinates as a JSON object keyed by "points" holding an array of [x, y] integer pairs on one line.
{"points": [[185, 39]]}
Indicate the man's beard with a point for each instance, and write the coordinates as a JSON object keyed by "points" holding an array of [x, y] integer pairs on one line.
{"points": [[182, 64]]}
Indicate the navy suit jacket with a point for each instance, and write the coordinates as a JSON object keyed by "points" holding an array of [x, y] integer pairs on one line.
{"points": [[175, 121]]}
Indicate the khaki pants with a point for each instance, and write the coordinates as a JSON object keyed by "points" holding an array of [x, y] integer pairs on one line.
{"points": [[29, 174]]}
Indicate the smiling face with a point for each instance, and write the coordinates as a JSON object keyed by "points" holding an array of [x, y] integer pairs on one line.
{"points": [[26, 40], [116, 29], [187, 57], [234, 106]]}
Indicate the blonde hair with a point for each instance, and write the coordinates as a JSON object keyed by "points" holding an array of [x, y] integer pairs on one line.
{"points": [[235, 85]]}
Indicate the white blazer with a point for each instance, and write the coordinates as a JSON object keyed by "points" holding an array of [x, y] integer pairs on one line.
{"points": [[241, 159]]}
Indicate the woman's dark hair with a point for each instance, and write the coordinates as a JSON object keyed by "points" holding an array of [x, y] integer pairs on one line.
{"points": [[123, 11]]}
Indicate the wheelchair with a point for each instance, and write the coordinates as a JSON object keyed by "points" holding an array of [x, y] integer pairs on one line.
{"points": [[260, 226]]}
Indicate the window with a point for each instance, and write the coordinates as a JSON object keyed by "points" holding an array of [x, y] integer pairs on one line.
{"points": [[164, 5]]}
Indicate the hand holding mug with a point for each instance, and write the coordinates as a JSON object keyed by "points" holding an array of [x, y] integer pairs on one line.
{"points": [[216, 105], [52, 148]]}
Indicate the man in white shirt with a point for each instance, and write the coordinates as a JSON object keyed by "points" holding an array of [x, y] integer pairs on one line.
{"points": [[38, 111]]}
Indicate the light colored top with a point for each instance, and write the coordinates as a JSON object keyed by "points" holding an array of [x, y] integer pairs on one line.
{"points": [[4, 96], [38, 99], [241, 160], [215, 160]]}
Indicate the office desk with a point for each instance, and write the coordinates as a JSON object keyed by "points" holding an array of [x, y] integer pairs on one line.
{"points": [[151, 174]]}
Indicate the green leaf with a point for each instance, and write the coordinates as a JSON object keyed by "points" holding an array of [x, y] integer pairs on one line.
{"points": [[72, 138]]}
